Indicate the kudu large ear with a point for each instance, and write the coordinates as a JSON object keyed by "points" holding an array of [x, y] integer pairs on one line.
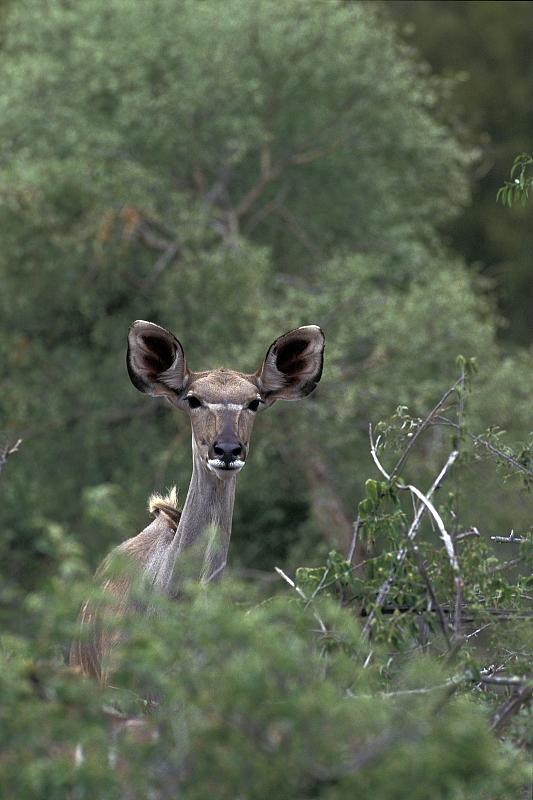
{"points": [[293, 365], [155, 360]]}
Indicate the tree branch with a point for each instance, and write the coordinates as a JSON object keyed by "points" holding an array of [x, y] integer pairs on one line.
{"points": [[353, 544], [164, 260], [411, 533], [7, 450], [433, 597], [490, 447], [301, 594], [502, 716], [422, 427], [511, 539]]}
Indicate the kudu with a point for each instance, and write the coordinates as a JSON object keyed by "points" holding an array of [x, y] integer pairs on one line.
{"points": [[222, 405]]}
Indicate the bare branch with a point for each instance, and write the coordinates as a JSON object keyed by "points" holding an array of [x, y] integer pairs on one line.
{"points": [[468, 614], [508, 539], [422, 427], [510, 707], [314, 153], [151, 239], [465, 534], [373, 451], [257, 190], [411, 534], [269, 172], [459, 587], [478, 631], [453, 683], [509, 680], [433, 597], [267, 209], [164, 260], [353, 544], [490, 447], [450, 551], [302, 594], [445, 536], [514, 562], [7, 450]]}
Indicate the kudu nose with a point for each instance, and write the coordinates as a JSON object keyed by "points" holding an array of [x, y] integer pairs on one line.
{"points": [[227, 451]]}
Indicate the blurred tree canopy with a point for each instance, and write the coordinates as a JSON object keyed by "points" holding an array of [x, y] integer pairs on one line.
{"points": [[228, 171], [484, 49]]}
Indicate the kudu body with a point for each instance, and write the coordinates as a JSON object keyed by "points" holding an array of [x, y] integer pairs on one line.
{"points": [[222, 405]]}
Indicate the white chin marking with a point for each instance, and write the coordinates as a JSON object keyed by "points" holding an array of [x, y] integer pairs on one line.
{"points": [[216, 464]]}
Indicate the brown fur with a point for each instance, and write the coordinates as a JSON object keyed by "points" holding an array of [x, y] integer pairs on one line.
{"points": [[89, 653]]}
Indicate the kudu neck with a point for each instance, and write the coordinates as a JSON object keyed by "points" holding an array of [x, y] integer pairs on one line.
{"points": [[200, 546], [208, 507]]}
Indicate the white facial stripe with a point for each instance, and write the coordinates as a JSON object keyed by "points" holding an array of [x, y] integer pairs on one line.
{"points": [[224, 406]]}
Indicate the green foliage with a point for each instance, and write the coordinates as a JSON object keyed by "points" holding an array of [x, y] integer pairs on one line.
{"points": [[482, 49], [140, 178], [251, 701], [440, 589], [517, 188]]}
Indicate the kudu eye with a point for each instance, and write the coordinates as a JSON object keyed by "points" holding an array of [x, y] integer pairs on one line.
{"points": [[194, 402], [254, 405]]}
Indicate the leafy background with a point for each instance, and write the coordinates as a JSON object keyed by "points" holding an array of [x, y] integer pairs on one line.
{"points": [[231, 171]]}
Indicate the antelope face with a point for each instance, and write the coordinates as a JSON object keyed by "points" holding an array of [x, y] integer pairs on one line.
{"points": [[222, 404]]}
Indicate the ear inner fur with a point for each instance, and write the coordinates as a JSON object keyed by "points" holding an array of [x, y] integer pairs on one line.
{"points": [[293, 365], [155, 359]]}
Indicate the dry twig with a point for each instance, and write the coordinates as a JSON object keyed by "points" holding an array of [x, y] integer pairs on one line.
{"points": [[353, 545], [425, 424], [502, 716], [478, 440], [511, 539], [7, 450], [302, 594], [411, 534]]}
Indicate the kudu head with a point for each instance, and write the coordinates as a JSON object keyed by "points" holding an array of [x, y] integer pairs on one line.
{"points": [[221, 403]]}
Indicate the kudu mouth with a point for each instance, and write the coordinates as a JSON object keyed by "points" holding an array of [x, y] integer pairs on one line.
{"points": [[222, 465]]}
